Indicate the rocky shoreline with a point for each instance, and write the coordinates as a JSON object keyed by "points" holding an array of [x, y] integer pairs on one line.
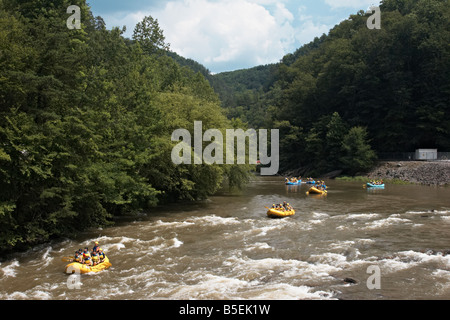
{"points": [[435, 173], [432, 173]]}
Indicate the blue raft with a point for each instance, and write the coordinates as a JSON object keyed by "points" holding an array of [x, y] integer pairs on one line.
{"points": [[370, 185], [294, 183]]}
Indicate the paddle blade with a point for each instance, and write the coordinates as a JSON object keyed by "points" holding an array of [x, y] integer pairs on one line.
{"points": [[67, 259]]}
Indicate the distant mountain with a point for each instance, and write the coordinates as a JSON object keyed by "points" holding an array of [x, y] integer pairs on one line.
{"points": [[192, 64], [234, 88]]}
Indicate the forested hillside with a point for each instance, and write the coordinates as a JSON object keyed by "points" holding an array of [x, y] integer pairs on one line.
{"points": [[357, 90], [242, 93], [86, 118]]}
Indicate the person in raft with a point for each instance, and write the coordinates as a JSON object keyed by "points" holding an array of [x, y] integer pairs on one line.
{"points": [[322, 186], [95, 258], [90, 258], [282, 206], [287, 206], [101, 255], [78, 257], [87, 260]]}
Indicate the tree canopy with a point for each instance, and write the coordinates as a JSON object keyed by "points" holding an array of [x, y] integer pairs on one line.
{"points": [[86, 118]]}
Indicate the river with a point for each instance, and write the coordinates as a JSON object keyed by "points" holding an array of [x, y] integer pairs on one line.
{"points": [[389, 244]]}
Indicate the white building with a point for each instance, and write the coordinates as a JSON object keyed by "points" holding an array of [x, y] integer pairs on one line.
{"points": [[426, 154]]}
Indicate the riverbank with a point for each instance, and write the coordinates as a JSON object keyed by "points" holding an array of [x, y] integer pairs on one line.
{"points": [[435, 173]]}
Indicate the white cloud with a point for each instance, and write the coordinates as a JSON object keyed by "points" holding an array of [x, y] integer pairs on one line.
{"points": [[282, 14], [227, 31], [309, 30], [228, 34], [354, 4]]}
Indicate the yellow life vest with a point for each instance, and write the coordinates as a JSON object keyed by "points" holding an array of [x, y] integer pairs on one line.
{"points": [[87, 258]]}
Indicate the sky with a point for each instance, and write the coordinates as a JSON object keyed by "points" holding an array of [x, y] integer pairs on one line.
{"points": [[227, 35]]}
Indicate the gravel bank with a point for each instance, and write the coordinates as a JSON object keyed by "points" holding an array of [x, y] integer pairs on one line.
{"points": [[421, 172]]}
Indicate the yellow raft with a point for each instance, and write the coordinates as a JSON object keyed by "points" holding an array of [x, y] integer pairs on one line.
{"points": [[76, 267], [314, 190], [272, 213]]}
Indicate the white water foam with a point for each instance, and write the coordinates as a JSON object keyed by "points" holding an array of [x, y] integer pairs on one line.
{"points": [[46, 259], [176, 224], [259, 246], [437, 212], [387, 222], [408, 259], [213, 220], [16, 296], [10, 270], [289, 292], [281, 269], [422, 257], [222, 287], [210, 287], [362, 216], [320, 215]]}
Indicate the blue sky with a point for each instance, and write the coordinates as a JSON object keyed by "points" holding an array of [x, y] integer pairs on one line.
{"points": [[226, 35]]}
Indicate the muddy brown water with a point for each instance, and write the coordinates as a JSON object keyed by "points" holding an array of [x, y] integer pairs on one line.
{"points": [[227, 248]]}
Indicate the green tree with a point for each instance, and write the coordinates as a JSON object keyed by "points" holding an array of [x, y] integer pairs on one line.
{"points": [[358, 155], [336, 131], [86, 118], [150, 36]]}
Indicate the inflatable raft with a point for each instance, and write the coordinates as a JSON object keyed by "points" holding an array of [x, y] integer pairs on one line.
{"points": [[311, 182], [272, 213], [294, 183], [314, 190], [76, 267], [370, 185]]}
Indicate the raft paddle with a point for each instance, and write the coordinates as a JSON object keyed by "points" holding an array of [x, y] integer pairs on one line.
{"points": [[67, 259]]}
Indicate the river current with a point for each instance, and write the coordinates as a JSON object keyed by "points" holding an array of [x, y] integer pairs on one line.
{"points": [[353, 243]]}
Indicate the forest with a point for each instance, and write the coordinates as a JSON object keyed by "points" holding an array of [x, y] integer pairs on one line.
{"points": [[86, 115], [355, 92]]}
